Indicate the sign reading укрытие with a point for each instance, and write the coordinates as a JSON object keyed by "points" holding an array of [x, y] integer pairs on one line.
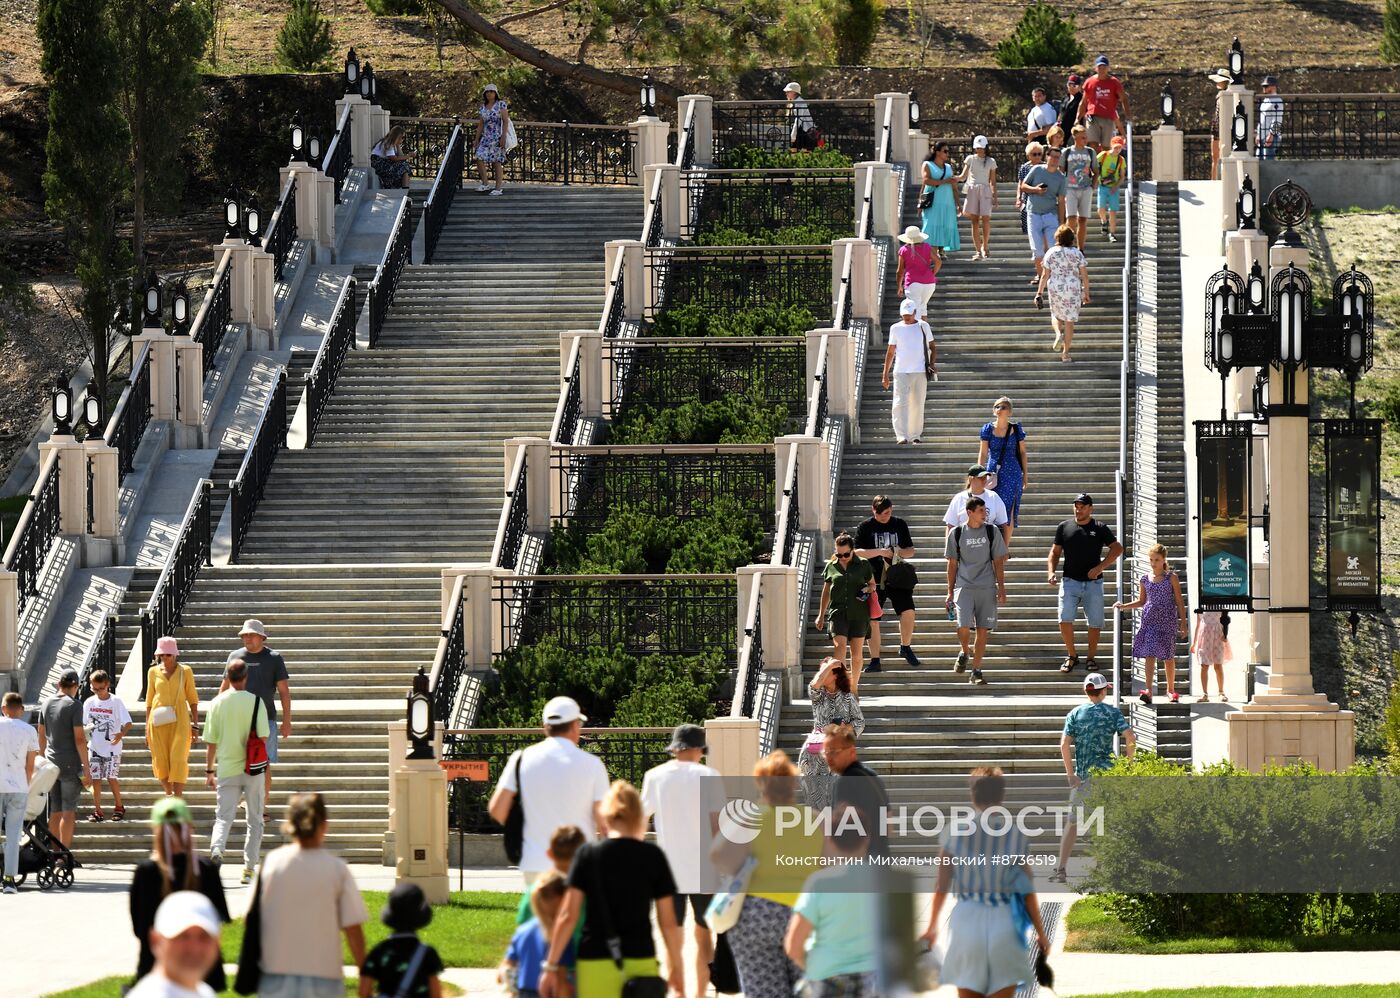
{"points": [[466, 769]]}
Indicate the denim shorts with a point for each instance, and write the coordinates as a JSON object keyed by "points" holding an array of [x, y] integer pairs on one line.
{"points": [[300, 986], [271, 742], [1041, 229], [1089, 595]]}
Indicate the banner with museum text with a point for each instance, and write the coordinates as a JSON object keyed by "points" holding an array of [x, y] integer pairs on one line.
{"points": [[1353, 448], [1222, 513]]}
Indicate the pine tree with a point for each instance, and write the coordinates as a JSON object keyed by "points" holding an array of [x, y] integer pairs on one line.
{"points": [[1041, 38], [855, 24], [304, 43], [1390, 31]]}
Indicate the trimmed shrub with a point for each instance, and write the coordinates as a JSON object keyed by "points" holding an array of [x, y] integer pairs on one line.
{"points": [[757, 158], [1041, 38], [765, 320], [855, 25], [304, 43], [723, 421], [638, 542], [791, 235]]}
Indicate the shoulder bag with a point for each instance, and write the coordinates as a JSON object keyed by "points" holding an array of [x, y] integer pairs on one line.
{"points": [[512, 140], [926, 196], [255, 754], [727, 904], [1011, 431], [514, 837], [929, 372], [410, 975], [900, 574], [648, 986]]}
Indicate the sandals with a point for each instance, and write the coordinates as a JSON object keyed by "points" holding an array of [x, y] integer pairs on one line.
{"points": [[1223, 698], [1203, 698], [96, 816], [119, 813], [1068, 665]]}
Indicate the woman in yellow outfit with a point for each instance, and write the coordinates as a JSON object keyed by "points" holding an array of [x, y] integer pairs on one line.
{"points": [[172, 716]]}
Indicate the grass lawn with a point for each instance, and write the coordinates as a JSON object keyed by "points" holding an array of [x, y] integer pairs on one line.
{"points": [[1299, 991], [110, 987], [471, 930], [1093, 930]]}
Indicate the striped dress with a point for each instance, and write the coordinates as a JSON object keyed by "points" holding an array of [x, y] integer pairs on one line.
{"points": [[987, 949]]}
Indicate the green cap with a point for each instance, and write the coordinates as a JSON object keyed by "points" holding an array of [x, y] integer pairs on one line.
{"points": [[171, 811]]}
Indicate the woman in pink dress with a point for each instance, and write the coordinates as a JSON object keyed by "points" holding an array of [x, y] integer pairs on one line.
{"points": [[917, 270]]}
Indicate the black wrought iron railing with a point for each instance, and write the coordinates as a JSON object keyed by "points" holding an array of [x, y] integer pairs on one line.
{"points": [[626, 752], [657, 370], [685, 142], [732, 278], [101, 655], [386, 278], [641, 614], [34, 534], [615, 306], [652, 225], [446, 183], [336, 162], [845, 125], [510, 531], [789, 514], [750, 666], [330, 358], [282, 230], [565, 153], [428, 139], [191, 553], [1328, 126], [132, 415], [215, 314], [246, 490], [680, 480], [806, 204], [570, 407], [450, 662]]}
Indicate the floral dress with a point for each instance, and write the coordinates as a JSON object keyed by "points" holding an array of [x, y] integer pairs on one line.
{"points": [[1021, 198], [827, 708], [489, 149], [1004, 457], [1157, 623], [1065, 287], [940, 219], [1212, 648]]}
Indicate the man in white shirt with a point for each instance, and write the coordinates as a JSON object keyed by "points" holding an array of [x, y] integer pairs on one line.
{"points": [[185, 941], [686, 797], [19, 745], [913, 353], [977, 486], [558, 784], [1040, 117]]}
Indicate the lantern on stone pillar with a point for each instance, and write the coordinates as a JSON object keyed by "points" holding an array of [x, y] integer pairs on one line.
{"points": [[252, 222], [420, 718], [298, 138], [150, 300], [179, 309], [914, 109], [92, 414], [1254, 289], [233, 215], [1168, 107], [1247, 206], [648, 96], [1239, 129], [1235, 62], [61, 400], [352, 73], [366, 81]]}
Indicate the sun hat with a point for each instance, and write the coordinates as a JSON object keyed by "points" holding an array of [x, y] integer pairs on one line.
{"points": [[186, 910], [687, 736], [1220, 76], [563, 710], [170, 811], [913, 234], [793, 88], [491, 88], [1101, 61], [167, 646], [253, 626], [407, 909], [1095, 681], [980, 142], [909, 307]]}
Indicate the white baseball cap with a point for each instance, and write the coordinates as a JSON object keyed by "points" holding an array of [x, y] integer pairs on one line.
{"points": [[563, 710], [980, 142], [793, 88], [1095, 681], [909, 307], [186, 910]]}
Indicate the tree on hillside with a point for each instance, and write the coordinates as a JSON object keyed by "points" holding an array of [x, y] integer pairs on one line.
{"points": [[1041, 38], [718, 39], [305, 41], [86, 178], [1390, 31], [855, 25], [159, 43]]}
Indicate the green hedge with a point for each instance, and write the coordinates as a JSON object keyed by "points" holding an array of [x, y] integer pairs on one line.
{"points": [[765, 320], [638, 542], [731, 420], [791, 235], [756, 158]]}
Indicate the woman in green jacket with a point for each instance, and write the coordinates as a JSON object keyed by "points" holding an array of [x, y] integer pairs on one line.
{"points": [[849, 582]]}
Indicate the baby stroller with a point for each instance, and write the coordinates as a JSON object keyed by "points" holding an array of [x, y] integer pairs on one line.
{"points": [[40, 853]]}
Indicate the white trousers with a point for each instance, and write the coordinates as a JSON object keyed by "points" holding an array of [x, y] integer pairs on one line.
{"points": [[231, 790], [910, 391], [921, 293]]}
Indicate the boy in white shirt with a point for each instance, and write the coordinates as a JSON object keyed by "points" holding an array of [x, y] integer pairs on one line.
{"points": [[107, 721]]}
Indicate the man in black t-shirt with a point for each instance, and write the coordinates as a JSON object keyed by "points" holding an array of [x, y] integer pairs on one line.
{"points": [[1082, 539], [856, 784], [877, 540]]}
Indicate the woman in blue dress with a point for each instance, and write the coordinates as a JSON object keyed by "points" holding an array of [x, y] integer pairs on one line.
{"points": [[940, 219], [492, 127], [1003, 452]]}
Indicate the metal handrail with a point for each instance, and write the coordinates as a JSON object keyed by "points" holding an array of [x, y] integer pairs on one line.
{"points": [[268, 439], [444, 190], [652, 221], [508, 511], [785, 526], [584, 450], [215, 312], [685, 143], [337, 156], [1120, 477], [132, 414], [686, 576], [820, 102], [330, 358], [27, 550], [390, 270], [101, 652], [450, 658], [282, 230], [164, 608], [746, 648], [568, 389], [886, 134]]}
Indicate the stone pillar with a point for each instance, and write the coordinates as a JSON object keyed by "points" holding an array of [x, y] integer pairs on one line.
{"points": [[419, 825], [542, 486], [702, 125], [670, 201], [592, 387], [240, 279], [651, 133], [734, 744], [883, 204], [162, 361], [899, 124], [813, 479], [1233, 169], [309, 206], [106, 487], [262, 292], [9, 631], [189, 367], [480, 611], [360, 142], [72, 481], [398, 751], [636, 278], [1288, 721], [865, 291], [1168, 154], [324, 193], [379, 125], [918, 152], [1234, 165], [840, 370]]}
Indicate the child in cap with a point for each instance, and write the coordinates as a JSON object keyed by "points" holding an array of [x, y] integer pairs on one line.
{"points": [[1113, 170], [565, 841], [402, 965], [106, 722], [529, 947]]}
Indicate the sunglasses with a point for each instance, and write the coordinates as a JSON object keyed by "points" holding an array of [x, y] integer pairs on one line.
{"points": [[844, 556], [1037, 155]]}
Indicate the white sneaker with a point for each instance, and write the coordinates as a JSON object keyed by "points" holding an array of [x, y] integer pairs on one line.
{"points": [[482, 188], [498, 192]]}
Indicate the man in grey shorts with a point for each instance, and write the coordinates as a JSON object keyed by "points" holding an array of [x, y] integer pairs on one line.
{"points": [[976, 556], [64, 743]]}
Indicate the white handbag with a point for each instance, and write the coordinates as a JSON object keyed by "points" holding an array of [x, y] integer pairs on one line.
{"points": [[162, 716], [727, 904], [512, 140]]}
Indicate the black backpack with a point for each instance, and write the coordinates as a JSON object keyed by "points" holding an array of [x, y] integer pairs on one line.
{"points": [[991, 537]]}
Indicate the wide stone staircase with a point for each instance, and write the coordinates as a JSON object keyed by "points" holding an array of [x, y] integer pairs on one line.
{"points": [[344, 557], [927, 727]]}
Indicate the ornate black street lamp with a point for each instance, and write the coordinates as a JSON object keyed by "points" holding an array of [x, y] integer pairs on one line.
{"points": [[150, 300], [648, 97], [1246, 206], [179, 309], [1239, 129], [313, 149], [1254, 289], [62, 403], [252, 222], [1235, 63], [233, 215], [1168, 107], [367, 81], [914, 109], [420, 718], [298, 138], [352, 73], [92, 414]]}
